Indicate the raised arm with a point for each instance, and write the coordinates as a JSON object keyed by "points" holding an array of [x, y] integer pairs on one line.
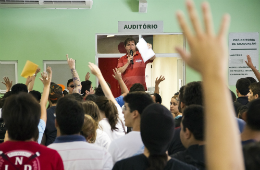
{"points": [[117, 75], [31, 84], [96, 71], [157, 82], [75, 76], [209, 55], [250, 64], [7, 83], [46, 81], [87, 76]]}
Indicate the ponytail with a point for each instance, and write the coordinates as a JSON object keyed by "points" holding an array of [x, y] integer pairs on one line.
{"points": [[108, 107], [157, 162]]}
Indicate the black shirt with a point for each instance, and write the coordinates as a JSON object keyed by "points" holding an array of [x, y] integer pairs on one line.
{"points": [[50, 131], [194, 155], [176, 145], [140, 162]]}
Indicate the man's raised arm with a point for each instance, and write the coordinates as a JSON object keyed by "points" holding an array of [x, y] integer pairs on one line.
{"points": [[209, 55], [75, 76], [250, 64]]}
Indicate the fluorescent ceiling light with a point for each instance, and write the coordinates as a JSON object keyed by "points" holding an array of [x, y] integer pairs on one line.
{"points": [[110, 35]]}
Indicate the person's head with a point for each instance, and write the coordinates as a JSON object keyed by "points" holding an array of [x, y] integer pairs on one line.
{"points": [[242, 110], [86, 86], [192, 125], [19, 87], [55, 93], [176, 95], [70, 86], [7, 94], [253, 115], [21, 114], [91, 108], [251, 79], [242, 86], [91, 97], [174, 106], [193, 94], [156, 98], [135, 103], [157, 129], [137, 87], [251, 156], [108, 108], [181, 91], [254, 91], [65, 92], [130, 44], [69, 116], [36, 94], [75, 96], [89, 129], [99, 91]]}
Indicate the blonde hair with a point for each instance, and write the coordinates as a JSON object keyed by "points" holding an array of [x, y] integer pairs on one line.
{"points": [[91, 108], [89, 129]]}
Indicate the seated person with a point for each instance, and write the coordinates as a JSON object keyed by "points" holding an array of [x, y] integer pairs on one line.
{"points": [[157, 127], [192, 137]]}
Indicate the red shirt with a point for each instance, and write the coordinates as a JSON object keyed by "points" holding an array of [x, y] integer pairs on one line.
{"points": [[28, 156], [134, 73]]}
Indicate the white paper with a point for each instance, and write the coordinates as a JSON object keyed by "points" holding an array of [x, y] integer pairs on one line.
{"points": [[241, 45], [146, 52]]}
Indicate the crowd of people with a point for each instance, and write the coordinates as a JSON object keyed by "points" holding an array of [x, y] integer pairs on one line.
{"points": [[207, 126]]}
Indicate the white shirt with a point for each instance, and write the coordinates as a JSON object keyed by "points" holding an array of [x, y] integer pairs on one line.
{"points": [[115, 134], [102, 139], [126, 146], [81, 155]]}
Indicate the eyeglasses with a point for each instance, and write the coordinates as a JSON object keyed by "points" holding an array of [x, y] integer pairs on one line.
{"points": [[72, 86]]}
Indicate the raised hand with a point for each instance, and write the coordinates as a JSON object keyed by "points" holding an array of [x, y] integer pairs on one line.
{"points": [[208, 52], [46, 77], [87, 76], [7, 83], [94, 69], [117, 74], [28, 80], [159, 80], [149, 45], [249, 61], [71, 62], [37, 71]]}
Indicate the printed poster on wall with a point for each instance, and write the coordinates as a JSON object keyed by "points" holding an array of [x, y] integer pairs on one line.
{"points": [[241, 45]]}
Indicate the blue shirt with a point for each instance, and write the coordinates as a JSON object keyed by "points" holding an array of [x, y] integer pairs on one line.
{"points": [[41, 128], [120, 101]]}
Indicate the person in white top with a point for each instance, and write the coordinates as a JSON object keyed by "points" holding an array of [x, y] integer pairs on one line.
{"points": [[131, 144], [112, 119], [75, 152]]}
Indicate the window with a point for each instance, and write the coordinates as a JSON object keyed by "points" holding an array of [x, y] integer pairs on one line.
{"points": [[8, 69]]}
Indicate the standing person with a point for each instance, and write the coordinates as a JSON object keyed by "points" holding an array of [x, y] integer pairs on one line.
{"points": [[132, 67]]}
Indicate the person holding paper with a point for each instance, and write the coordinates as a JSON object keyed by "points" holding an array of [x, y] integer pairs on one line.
{"points": [[133, 66]]}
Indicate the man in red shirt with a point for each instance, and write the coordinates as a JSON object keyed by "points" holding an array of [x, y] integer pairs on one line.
{"points": [[133, 72]]}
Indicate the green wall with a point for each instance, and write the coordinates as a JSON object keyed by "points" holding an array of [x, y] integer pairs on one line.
{"points": [[48, 34]]}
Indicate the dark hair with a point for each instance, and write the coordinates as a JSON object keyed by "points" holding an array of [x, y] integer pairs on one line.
{"points": [[99, 91], [193, 94], [19, 87], [36, 94], [65, 92], [157, 162], [69, 115], [137, 87], [2, 101], [129, 39], [138, 101], [242, 86], [91, 97], [69, 81], [85, 86], [251, 79], [158, 98], [21, 114], [255, 88], [181, 91], [177, 93], [75, 96], [108, 107], [253, 115], [241, 110], [91, 108], [234, 97], [193, 119], [251, 156]]}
